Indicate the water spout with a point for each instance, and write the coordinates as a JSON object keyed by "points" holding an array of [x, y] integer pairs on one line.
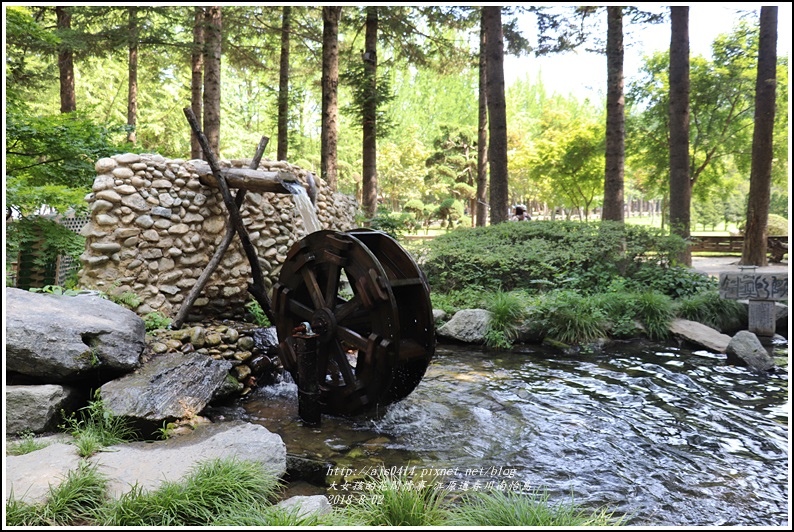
{"points": [[304, 205]]}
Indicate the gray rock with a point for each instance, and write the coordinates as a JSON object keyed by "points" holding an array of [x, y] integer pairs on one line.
{"points": [[150, 464], [28, 477], [700, 334], [66, 338], [306, 505], [468, 325], [170, 386], [37, 408], [146, 465], [746, 348]]}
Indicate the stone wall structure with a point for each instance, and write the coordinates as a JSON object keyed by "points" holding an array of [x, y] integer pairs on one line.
{"points": [[154, 227]]}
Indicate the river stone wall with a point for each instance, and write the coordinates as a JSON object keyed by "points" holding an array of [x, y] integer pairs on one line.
{"points": [[154, 227]]}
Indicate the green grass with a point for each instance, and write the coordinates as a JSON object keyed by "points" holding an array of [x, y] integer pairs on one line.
{"points": [[396, 501], [212, 490], [27, 443], [74, 501], [238, 493], [95, 427], [505, 509]]}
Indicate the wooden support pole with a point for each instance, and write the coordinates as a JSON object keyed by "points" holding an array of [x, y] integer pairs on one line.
{"points": [[181, 316], [257, 289]]}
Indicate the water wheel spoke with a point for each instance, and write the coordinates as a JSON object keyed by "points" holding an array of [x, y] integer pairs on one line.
{"points": [[346, 309], [313, 287], [353, 338], [332, 285], [340, 357], [300, 310]]}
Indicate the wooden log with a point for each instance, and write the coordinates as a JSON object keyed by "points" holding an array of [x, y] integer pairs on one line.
{"points": [[257, 289], [221, 250], [246, 178]]}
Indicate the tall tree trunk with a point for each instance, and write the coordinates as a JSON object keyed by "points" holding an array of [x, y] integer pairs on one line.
{"points": [[197, 77], [616, 129], [482, 136], [680, 182], [212, 79], [330, 105], [66, 62], [283, 86], [369, 125], [497, 117], [755, 234], [132, 91]]}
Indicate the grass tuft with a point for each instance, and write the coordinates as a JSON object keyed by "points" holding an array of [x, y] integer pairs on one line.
{"points": [[515, 509], [96, 427]]}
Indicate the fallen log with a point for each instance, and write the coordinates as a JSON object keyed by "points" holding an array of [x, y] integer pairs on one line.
{"points": [[246, 178]]}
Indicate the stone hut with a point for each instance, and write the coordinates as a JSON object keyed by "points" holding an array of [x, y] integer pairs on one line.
{"points": [[154, 227]]}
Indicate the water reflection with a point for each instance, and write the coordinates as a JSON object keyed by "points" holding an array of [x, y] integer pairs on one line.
{"points": [[663, 435]]}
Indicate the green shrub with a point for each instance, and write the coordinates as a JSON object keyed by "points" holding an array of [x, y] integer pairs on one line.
{"points": [[675, 281], [569, 317], [710, 309], [655, 311], [544, 255], [620, 309], [507, 311], [777, 225]]}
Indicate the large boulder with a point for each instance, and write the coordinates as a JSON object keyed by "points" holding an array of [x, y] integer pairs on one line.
{"points": [[745, 348], [170, 386], [468, 325], [59, 339], [37, 408]]}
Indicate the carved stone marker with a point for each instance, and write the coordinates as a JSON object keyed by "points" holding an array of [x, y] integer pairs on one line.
{"points": [[762, 290]]}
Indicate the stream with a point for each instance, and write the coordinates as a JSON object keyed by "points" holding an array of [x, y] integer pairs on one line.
{"points": [[658, 434]]}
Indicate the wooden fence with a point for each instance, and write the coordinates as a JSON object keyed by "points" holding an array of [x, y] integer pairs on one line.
{"points": [[777, 246]]}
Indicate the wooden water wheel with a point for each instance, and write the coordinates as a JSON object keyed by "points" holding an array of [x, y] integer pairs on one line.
{"points": [[369, 303]]}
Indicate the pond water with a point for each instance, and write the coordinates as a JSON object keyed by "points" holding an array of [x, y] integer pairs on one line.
{"points": [[659, 434]]}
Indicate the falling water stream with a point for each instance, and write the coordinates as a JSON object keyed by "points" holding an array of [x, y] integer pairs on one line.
{"points": [[659, 434], [304, 206]]}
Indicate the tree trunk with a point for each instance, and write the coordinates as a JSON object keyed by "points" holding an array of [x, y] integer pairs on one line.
{"points": [[212, 79], [680, 182], [497, 119], [755, 234], [66, 62], [197, 77], [283, 86], [615, 130], [132, 92], [482, 138], [369, 155], [330, 105]]}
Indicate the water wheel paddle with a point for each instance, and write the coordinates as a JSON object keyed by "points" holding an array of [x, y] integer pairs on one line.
{"points": [[369, 302]]}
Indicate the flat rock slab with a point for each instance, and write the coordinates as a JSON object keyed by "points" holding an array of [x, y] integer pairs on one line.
{"points": [[700, 334], [28, 476], [146, 464]]}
